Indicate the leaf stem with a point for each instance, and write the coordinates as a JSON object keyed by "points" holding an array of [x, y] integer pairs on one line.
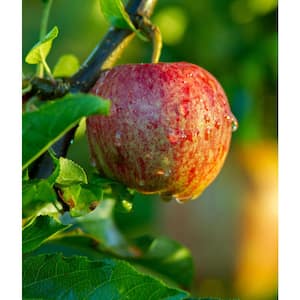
{"points": [[47, 69], [43, 32]]}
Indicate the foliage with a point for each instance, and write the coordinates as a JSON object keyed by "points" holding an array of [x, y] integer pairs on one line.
{"points": [[43, 127], [103, 232], [80, 252]]}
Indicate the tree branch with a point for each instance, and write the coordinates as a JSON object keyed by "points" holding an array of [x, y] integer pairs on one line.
{"points": [[103, 56]]}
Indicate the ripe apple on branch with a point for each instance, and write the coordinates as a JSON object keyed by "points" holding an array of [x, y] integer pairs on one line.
{"points": [[168, 131], [170, 124]]}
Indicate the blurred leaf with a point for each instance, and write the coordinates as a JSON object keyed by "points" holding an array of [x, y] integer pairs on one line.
{"points": [[167, 257], [115, 13], [39, 230], [70, 173], [36, 194], [66, 66], [57, 277], [42, 128], [40, 50]]}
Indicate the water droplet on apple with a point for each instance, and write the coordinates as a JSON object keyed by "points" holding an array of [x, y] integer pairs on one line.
{"points": [[183, 108], [166, 196], [160, 172], [217, 124], [118, 139], [173, 138], [206, 118], [72, 142], [167, 173], [234, 124], [179, 201], [207, 133], [183, 134], [227, 117], [233, 121]]}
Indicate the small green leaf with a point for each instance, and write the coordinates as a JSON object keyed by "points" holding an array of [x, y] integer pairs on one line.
{"points": [[84, 198], [40, 50], [70, 173], [42, 128], [38, 231], [36, 194], [57, 277], [115, 13], [166, 257], [100, 225], [66, 66]]}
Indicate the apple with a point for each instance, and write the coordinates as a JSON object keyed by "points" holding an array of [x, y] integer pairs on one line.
{"points": [[168, 131]]}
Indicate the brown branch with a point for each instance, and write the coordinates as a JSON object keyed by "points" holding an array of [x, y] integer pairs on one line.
{"points": [[85, 78]]}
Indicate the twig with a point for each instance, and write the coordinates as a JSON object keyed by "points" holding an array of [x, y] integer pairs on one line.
{"points": [[104, 54]]}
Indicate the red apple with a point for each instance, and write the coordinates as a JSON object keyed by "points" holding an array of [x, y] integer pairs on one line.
{"points": [[169, 129]]}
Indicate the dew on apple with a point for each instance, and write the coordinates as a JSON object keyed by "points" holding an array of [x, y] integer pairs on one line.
{"points": [[160, 172], [173, 138], [185, 121], [118, 139], [234, 124], [148, 156], [167, 173], [217, 124], [207, 133], [166, 196], [141, 182], [183, 108], [179, 201], [206, 118]]}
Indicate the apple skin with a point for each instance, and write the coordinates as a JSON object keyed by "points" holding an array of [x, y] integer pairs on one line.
{"points": [[168, 131]]}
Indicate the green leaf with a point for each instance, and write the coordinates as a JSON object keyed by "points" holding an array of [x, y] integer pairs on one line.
{"points": [[66, 66], [71, 244], [100, 225], [166, 257], [38, 231], [85, 197], [36, 194], [40, 50], [69, 173], [57, 277], [115, 13], [42, 128]]}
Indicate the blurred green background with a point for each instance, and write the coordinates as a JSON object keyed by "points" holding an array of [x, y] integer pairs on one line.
{"points": [[231, 229]]}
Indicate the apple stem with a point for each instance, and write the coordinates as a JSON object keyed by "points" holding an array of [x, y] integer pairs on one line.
{"points": [[146, 8], [153, 32]]}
